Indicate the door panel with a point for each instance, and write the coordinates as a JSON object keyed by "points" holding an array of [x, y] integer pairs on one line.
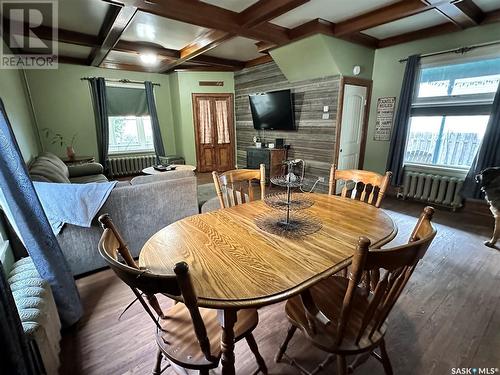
{"points": [[351, 128], [221, 120], [353, 112], [224, 148], [214, 132], [204, 135]]}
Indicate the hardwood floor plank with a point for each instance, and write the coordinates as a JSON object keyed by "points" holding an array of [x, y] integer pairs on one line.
{"points": [[449, 315]]}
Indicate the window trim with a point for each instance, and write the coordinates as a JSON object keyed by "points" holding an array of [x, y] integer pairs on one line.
{"points": [[452, 110]]}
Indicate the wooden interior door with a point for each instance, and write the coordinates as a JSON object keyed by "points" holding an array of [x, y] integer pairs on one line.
{"points": [[214, 132]]}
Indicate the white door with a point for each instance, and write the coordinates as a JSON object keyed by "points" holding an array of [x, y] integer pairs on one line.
{"points": [[351, 128]]}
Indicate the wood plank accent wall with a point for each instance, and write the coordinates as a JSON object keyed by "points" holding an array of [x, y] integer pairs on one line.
{"points": [[314, 138]]}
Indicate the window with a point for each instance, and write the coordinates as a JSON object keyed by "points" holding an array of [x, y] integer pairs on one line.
{"points": [[128, 134], [130, 128], [450, 112]]}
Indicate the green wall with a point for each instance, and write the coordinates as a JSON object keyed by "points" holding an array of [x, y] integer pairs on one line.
{"points": [[182, 85], [14, 96], [388, 76], [320, 56], [63, 103]]}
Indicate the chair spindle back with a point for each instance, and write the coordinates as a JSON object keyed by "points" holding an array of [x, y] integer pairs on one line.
{"points": [[112, 245], [398, 262], [366, 186], [236, 187]]}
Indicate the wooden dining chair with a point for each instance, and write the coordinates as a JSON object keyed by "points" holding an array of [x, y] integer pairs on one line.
{"points": [[237, 186], [366, 186], [342, 316], [188, 336]]}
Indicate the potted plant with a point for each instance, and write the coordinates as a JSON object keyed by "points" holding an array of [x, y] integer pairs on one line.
{"points": [[58, 138]]}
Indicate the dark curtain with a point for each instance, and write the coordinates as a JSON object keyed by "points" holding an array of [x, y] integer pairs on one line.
{"points": [[488, 154], [98, 91], [158, 142], [34, 227], [401, 122], [15, 355]]}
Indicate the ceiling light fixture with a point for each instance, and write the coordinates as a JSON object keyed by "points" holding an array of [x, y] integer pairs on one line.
{"points": [[149, 58]]}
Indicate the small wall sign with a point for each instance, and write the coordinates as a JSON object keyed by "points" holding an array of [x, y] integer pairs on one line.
{"points": [[211, 83], [385, 117]]}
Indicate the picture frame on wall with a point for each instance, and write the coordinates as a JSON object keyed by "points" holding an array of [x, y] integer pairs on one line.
{"points": [[385, 118]]}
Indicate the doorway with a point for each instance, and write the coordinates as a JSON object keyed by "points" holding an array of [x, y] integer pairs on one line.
{"points": [[353, 112], [214, 132]]}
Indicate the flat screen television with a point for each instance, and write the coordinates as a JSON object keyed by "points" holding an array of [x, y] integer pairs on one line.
{"points": [[272, 110]]}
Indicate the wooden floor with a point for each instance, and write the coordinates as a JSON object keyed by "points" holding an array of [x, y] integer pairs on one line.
{"points": [[448, 316]]}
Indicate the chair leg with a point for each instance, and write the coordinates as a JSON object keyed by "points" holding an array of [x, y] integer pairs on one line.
{"points": [[157, 368], [283, 347], [255, 350], [341, 365], [358, 361], [385, 359]]}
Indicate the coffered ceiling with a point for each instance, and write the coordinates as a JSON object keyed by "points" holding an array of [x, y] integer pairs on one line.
{"points": [[333, 11], [167, 35]]}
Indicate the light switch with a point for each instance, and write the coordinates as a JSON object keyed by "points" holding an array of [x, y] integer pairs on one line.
{"points": [[326, 116], [325, 108]]}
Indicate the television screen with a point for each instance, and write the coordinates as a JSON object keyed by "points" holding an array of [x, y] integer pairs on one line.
{"points": [[272, 110]]}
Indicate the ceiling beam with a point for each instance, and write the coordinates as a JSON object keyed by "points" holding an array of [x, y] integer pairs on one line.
{"points": [[123, 66], [380, 16], [117, 20], [362, 39], [463, 13], [443, 28], [316, 26], [71, 60], [202, 44], [63, 36], [265, 10], [209, 16], [86, 40], [143, 47], [258, 61], [217, 61], [320, 26], [198, 68], [490, 17], [264, 47]]}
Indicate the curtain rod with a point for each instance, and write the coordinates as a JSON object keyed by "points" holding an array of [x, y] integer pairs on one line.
{"points": [[460, 50], [119, 80]]}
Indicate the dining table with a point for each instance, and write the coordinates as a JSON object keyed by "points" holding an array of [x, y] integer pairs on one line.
{"points": [[236, 265]]}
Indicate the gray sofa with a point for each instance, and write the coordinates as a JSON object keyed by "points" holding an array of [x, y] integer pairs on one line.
{"points": [[139, 208], [49, 168]]}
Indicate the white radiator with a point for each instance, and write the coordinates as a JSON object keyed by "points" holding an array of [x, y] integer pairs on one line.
{"points": [[129, 165], [432, 188]]}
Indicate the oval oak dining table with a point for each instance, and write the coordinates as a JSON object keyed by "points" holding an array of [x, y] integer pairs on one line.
{"points": [[236, 265]]}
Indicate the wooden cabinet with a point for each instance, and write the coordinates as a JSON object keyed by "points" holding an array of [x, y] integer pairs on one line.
{"points": [[273, 158]]}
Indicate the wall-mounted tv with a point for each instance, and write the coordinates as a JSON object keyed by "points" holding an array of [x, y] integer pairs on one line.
{"points": [[272, 110]]}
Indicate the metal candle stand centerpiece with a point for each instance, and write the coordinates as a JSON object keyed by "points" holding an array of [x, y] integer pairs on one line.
{"points": [[288, 221]]}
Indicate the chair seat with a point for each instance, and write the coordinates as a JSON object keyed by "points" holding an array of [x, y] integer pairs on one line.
{"points": [[178, 339], [328, 296]]}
